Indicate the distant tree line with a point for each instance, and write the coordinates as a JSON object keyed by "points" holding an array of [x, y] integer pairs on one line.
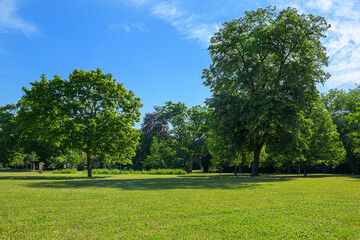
{"points": [[175, 136]]}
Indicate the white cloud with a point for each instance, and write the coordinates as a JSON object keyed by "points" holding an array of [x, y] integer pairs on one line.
{"points": [[323, 5], [10, 21], [167, 11], [188, 25], [128, 27], [343, 38], [135, 3]]}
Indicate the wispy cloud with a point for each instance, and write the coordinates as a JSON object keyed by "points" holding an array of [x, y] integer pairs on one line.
{"points": [[187, 24], [343, 38], [128, 27], [167, 11], [10, 21]]}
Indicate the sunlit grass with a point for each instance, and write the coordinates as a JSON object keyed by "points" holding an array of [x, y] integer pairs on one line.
{"points": [[197, 206]]}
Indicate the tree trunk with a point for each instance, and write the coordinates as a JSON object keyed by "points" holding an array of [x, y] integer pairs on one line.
{"points": [[288, 167], [352, 159], [191, 163], [256, 162], [235, 173], [305, 171], [88, 164]]}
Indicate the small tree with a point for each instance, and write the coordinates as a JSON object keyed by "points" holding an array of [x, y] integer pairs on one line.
{"points": [[32, 159], [160, 155]]}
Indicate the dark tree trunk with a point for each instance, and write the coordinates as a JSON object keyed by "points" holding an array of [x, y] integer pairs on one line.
{"points": [[191, 162], [305, 171], [288, 167], [235, 168], [88, 164], [352, 159], [256, 162]]}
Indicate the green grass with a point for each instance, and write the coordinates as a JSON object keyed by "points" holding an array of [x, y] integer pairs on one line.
{"points": [[197, 206]]}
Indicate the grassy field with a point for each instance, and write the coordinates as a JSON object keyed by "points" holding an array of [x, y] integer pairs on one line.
{"points": [[198, 206]]}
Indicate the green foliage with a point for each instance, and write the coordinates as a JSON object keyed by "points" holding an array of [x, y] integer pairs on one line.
{"points": [[9, 136], [263, 76], [189, 128], [67, 170], [90, 112], [324, 145], [151, 171], [71, 159], [114, 171], [101, 171], [111, 160], [344, 109], [224, 152], [161, 155]]}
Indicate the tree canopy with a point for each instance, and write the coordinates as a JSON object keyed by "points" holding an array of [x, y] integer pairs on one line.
{"points": [[263, 76], [91, 112]]}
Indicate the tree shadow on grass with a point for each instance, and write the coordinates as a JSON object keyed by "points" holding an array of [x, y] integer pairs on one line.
{"points": [[49, 178], [154, 183]]}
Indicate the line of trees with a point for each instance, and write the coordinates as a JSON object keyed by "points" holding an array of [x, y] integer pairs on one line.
{"points": [[265, 110]]}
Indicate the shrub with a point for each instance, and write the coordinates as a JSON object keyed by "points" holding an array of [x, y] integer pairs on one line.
{"points": [[130, 171], [67, 170], [115, 171], [180, 171], [152, 171]]}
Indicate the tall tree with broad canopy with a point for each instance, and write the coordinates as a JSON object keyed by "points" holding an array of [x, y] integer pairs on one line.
{"points": [[90, 112], [264, 71]]}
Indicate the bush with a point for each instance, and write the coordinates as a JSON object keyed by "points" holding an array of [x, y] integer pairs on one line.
{"points": [[115, 171], [180, 171], [100, 171], [67, 170], [130, 171], [152, 171]]}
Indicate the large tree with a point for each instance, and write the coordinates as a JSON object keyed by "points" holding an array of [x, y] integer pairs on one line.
{"points": [[264, 71], [91, 112]]}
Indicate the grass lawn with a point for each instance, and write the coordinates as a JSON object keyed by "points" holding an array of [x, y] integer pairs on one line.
{"points": [[198, 206]]}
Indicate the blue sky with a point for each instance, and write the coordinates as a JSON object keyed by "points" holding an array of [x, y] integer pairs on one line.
{"points": [[157, 48]]}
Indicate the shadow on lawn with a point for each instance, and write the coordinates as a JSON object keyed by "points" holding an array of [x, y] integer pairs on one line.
{"points": [[153, 183], [41, 178]]}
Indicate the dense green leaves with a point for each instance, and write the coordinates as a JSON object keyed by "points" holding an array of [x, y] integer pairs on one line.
{"points": [[90, 111], [189, 128], [264, 71], [9, 136], [345, 111]]}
